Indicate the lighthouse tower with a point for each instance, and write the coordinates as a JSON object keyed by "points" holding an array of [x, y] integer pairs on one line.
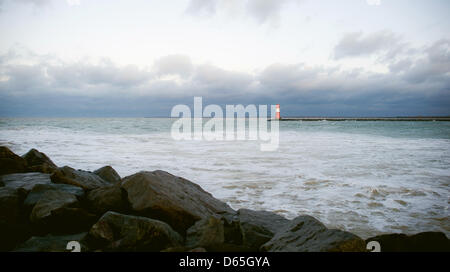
{"points": [[278, 116]]}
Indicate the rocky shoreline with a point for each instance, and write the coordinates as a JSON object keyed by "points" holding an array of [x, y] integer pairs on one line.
{"points": [[43, 207]]}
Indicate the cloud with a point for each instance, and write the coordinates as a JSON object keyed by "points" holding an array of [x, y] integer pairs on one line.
{"points": [[433, 67], [47, 85], [174, 65], [73, 2], [265, 10], [356, 44], [262, 11], [373, 2], [201, 7]]}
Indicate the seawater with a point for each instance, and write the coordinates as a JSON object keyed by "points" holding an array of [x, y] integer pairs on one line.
{"points": [[361, 176]]}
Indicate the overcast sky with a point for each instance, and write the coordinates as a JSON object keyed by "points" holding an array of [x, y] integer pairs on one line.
{"points": [[142, 57]]}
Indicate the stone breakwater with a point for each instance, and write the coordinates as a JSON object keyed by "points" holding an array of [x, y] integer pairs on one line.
{"points": [[43, 207]]}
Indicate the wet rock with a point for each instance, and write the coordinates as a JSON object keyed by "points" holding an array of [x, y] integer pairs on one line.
{"points": [[258, 227], [84, 179], [421, 242], [10, 203], [205, 233], [39, 190], [58, 212], [51, 243], [25, 181], [111, 198], [39, 162], [11, 163], [171, 199], [119, 232], [12, 230], [306, 234], [109, 174]]}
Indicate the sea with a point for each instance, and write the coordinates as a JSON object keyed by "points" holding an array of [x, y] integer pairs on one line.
{"points": [[367, 177]]}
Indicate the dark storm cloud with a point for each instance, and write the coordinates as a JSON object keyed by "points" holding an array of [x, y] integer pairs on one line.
{"points": [[49, 87]]}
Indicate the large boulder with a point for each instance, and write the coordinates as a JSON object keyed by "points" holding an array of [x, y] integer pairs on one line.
{"points": [[10, 162], [59, 212], [39, 162], [421, 242], [12, 229], [84, 179], [111, 198], [171, 199], [51, 243], [258, 227], [207, 232], [25, 181], [119, 232], [306, 234], [40, 189], [109, 174], [50, 201], [10, 204]]}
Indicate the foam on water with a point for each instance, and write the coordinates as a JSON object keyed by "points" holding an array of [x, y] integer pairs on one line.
{"points": [[365, 177]]}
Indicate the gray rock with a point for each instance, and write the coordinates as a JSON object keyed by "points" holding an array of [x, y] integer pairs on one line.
{"points": [[84, 179], [39, 190], [421, 242], [258, 227], [10, 202], [25, 181], [12, 230], [10, 162], [111, 198], [206, 232], [306, 234], [171, 199], [109, 174], [39, 162], [58, 212], [51, 243], [119, 232], [50, 201]]}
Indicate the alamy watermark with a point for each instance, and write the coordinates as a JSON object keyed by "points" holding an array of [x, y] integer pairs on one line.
{"points": [[239, 123]]}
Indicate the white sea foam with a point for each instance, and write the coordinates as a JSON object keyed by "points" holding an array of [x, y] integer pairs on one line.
{"points": [[351, 179]]}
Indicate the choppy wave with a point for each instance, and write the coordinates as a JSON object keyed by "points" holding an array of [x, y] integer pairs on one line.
{"points": [[365, 177]]}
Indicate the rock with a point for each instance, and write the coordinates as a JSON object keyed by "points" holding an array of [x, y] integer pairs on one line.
{"points": [[306, 234], [39, 190], [258, 227], [10, 203], [421, 242], [109, 174], [119, 232], [206, 232], [11, 163], [50, 201], [25, 181], [171, 199], [84, 179], [51, 243], [198, 249], [59, 212], [111, 198], [39, 162], [12, 230]]}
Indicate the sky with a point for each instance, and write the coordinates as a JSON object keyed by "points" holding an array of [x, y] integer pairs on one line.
{"points": [[124, 58]]}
